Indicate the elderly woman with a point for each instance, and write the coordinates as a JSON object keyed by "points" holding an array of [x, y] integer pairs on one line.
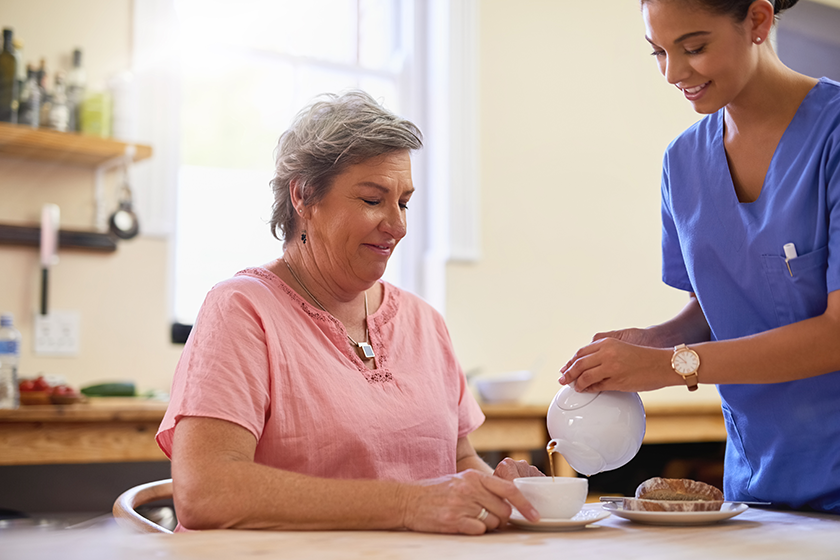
{"points": [[313, 395]]}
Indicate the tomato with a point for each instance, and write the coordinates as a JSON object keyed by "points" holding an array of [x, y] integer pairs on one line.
{"points": [[40, 384], [26, 385], [64, 391]]}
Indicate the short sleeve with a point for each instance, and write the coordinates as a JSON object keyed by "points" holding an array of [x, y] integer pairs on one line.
{"points": [[470, 416], [223, 372], [674, 272]]}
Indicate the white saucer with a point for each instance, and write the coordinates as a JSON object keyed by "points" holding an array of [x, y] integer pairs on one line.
{"points": [[590, 513], [678, 517]]}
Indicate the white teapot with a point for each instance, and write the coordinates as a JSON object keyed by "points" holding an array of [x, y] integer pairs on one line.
{"points": [[596, 431]]}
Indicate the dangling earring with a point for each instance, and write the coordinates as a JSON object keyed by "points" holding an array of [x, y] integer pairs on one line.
{"points": [[303, 236]]}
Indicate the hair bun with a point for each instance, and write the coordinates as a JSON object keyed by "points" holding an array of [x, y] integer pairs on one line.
{"points": [[780, 6]]}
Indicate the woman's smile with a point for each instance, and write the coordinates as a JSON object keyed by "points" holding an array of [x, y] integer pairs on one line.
{"points": [[695, 92], [384, 249]]}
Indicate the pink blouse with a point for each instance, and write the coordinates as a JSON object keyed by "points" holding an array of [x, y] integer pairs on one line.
{"points": [[263, 358]]}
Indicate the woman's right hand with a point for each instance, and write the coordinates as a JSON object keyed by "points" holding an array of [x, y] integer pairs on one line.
{"points": [[453, 504], [634, 336]]}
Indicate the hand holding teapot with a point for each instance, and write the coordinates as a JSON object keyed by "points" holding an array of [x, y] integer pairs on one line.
{"points": [[596, 432]]}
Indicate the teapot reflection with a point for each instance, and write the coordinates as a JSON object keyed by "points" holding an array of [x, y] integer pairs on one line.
{"points": [[596, 432]]}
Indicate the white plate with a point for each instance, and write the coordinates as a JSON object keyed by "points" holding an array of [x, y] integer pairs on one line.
{"points": [[589, 514], [678, 517]]}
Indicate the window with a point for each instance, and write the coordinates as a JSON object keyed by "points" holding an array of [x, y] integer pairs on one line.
{"points": [[219, 81], [246, 68]]}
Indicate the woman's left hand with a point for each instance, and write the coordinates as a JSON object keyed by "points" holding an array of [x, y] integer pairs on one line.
{"points": [[610, 364], [510, 469]]}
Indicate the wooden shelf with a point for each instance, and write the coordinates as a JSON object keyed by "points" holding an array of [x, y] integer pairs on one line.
{"points": [[67, 148], [63, 147], [29, 236]]}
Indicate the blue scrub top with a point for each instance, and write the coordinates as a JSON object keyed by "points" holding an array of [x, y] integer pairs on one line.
{"points": [[783, 440]]}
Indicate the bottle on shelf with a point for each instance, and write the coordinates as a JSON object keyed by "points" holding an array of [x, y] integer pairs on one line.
{"points": [[9, 359], [8, 79], [96, 114], [76, 81], [21, 67], [59, 116], [29, 110], [46, 98]]}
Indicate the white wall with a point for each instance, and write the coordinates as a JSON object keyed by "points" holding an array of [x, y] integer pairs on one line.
{"points": [[574, 119], [121, 297]]}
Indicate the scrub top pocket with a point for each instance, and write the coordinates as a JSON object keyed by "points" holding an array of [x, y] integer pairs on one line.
{"points": [[799, 293]]}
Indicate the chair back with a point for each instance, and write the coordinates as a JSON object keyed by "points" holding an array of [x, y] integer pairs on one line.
{"points": [[125, 508]]}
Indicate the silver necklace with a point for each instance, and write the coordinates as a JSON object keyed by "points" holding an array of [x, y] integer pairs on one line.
{"points": [[365, 349]]}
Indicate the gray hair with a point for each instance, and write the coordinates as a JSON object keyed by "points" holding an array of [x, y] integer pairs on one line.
{"points": [[325, 138]]}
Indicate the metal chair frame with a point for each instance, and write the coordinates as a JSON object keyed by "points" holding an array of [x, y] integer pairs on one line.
{"points": [[125, 508]]}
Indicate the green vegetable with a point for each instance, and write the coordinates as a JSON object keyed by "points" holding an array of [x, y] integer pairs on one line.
{"points": [[122, 389]]}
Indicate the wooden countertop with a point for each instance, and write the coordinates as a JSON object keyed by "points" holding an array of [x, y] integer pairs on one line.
{"points": [[652, 408], [755, 534], [122, 429], [96, 409], [128, 409], [102, 430]]}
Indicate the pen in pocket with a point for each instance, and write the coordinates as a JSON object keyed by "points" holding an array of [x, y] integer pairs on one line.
{"points": [[790, 254]]}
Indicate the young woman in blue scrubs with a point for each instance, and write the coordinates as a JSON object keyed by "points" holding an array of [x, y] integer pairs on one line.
{"points": [[751, 229]]}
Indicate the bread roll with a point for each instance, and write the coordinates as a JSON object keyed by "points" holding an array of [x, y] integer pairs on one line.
{"points": [[680, 489], [674, 494]]}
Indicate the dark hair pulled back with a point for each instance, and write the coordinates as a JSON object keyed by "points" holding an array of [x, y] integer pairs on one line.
{"points": [[738, 9]]}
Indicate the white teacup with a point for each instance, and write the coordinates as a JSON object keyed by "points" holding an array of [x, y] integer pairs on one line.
{"points": [[558, 498]]}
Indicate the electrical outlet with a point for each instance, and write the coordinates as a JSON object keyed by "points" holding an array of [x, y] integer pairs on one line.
{"points": [[57, 333]]}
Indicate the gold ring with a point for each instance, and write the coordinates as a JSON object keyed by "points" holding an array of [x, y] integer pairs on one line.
{"points": [[483, 515]]}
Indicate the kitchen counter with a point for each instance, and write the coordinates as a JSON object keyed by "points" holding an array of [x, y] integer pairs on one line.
{"points": [[757, 533], [102, 430], [117, 429]]}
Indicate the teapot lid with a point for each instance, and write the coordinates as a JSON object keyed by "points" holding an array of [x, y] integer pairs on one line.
{"points": [[569, 399]]}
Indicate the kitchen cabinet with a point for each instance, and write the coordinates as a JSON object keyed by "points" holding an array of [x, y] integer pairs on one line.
{"points": [[66, 148]]}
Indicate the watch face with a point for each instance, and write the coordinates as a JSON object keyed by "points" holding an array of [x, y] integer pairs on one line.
{"points": [[686, 362]]}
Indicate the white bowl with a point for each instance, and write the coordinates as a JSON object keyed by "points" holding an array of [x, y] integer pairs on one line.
{"points": [[503, 388]]}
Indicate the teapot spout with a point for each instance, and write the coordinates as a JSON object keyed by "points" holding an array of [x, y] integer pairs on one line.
{"points": [[580, 457]]}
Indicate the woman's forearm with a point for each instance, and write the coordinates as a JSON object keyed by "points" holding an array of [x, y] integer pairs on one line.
{"points": [[246, 495], [217, 485], [467, 458], [687, 327], [476, 463], [796, 351]]}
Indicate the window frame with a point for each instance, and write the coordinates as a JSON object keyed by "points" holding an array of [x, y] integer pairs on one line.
{"points": [[439, 90]]}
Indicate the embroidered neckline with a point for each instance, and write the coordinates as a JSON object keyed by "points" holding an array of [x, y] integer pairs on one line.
{"points": [[386, 312]]}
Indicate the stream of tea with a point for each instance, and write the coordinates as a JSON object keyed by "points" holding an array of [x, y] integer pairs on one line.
{"points": [[550, 449]]}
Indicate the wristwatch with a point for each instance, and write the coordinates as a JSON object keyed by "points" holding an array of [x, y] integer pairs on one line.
{"points": [[686, 362]]}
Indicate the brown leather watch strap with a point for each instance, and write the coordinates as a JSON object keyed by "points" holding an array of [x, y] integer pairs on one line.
{"points": [[691, 380]]}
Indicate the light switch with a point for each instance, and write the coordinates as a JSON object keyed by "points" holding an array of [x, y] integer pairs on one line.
{"points": [[57, 333]]}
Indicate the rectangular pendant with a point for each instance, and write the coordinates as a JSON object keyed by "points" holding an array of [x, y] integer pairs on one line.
{"points": [[366, 349]]}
